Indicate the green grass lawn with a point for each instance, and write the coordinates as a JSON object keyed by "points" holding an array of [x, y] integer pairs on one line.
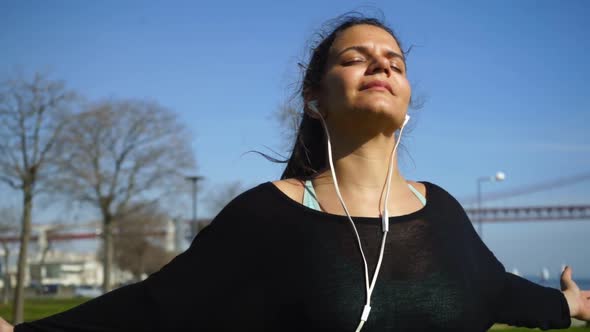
{"points": [[520, 329], [39, 308]]}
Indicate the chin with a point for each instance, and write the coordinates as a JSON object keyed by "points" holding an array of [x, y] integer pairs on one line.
{"points": [[381, 107], [382, 111]]}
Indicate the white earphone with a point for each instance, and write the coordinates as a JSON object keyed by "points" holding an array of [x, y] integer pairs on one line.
{"points": [[313, 105]]}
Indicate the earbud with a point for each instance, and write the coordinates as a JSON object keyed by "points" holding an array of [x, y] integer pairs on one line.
{"points": [[313, 105], [406, 120]]}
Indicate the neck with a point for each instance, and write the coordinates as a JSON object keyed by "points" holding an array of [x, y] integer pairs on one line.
{"points": [[362, 164]]}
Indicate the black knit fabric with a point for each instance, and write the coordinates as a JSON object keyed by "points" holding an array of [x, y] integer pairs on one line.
{"points": [[269, 263]]}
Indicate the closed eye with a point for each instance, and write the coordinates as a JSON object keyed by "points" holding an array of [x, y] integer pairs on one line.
{"points": [[397, 69], [397, 66], [353, 61]]}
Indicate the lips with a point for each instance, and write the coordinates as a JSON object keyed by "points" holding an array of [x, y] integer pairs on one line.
{"points": [[377, 84]]}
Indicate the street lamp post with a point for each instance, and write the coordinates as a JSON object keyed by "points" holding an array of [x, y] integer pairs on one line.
{"points": [[194, 179], [500, 176]]}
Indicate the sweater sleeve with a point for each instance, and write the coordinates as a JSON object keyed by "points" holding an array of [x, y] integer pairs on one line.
{"points": [[126, 308], [190, 292], [511, 299], [524, 303], [517, 301]]}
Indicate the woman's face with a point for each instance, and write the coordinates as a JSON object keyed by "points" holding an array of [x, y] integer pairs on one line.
{"points": [[365, 78]]}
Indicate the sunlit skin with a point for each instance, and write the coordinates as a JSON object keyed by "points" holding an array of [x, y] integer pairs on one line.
{"points": [[362, 54], [362, 125]]}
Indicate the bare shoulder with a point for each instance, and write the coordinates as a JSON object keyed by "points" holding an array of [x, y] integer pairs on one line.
{"points": [[291, 187], [419, 186]]}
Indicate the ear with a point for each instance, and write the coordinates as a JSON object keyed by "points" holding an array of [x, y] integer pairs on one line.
{"points": [[312, 108], [310, 96]]}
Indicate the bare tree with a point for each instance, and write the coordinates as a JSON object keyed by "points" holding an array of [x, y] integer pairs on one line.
{"points": [[118, 152], [139, 239], [45, 234], [32, 116], [9, 227]]}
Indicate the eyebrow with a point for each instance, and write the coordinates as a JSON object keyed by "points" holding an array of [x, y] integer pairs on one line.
{"points": [[364, 49]]}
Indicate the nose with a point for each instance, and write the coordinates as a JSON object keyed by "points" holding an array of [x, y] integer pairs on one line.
{"points": [[380, 64]]}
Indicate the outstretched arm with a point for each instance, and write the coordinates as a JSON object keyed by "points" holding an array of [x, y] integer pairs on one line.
{"points": [[221, 272], [515, 300], [5, 327], [521, 302]]}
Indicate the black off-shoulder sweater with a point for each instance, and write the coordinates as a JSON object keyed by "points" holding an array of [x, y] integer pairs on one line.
{"points": [[268, 263]]}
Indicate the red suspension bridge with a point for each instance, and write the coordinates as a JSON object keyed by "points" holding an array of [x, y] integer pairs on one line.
{"points": [[487, 215]]}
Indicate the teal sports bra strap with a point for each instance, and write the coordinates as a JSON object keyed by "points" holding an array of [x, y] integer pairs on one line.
{"points": [[418, 194], [310, 198]]}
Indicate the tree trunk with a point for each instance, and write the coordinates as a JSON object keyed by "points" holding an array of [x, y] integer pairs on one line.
{"points": [[6, 279], [44, 256], [108, 254], [19, 299]]}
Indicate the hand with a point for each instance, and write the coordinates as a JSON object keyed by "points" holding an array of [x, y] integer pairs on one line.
{"points": [[5, 327], [577, 300]]}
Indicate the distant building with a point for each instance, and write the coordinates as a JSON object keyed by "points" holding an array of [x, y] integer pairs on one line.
{"points": [[69, 268]]}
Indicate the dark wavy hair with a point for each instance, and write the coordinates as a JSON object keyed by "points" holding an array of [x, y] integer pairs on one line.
{"points": [[308, 155]]}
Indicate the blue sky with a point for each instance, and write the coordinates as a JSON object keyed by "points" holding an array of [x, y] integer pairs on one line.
{"points": [[505, 85]]}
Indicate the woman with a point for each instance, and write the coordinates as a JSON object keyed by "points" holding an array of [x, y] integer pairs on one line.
{"points": [[288, 256]]}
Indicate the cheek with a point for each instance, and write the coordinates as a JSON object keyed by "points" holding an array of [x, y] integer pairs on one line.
{"points": [[338, 86], [405, 90]]}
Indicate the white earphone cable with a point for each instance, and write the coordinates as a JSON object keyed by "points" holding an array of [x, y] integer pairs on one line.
{"points": [[385, 216]]}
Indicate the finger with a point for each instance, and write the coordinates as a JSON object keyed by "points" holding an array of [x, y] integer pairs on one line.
{"points": [[565, 273], [566, 279]]}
